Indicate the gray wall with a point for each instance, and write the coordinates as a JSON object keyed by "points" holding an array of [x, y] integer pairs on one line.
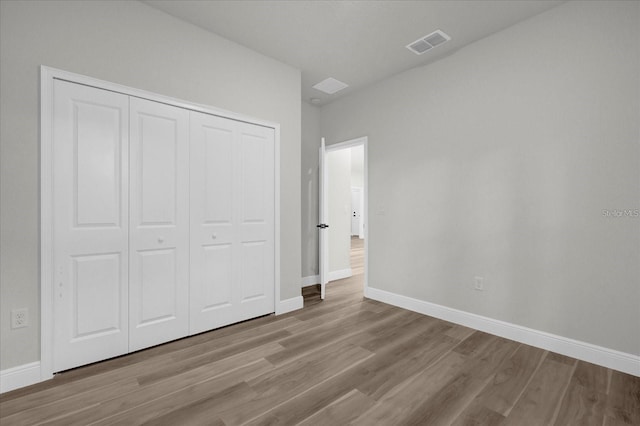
{"points": [[310, 146], [498, 161], [135, 45]]}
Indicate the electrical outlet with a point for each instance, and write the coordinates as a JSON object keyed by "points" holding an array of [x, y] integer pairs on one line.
{"points": [[19, 318], [478, 283]]}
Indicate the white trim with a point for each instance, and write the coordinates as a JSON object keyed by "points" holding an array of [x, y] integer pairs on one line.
{"points": [[54, 73], [277, 219], [627, 363], [310, 280], [46, 220], [289, 305], [47, 76], [340, 274], [20, 376], [347, 144]]}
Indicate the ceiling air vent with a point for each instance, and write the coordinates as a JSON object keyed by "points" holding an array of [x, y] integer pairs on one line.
{"points": [[330, 86], [428, 42]]}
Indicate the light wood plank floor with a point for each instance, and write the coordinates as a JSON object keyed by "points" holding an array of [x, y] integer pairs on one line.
{"points": [[341, 361]]}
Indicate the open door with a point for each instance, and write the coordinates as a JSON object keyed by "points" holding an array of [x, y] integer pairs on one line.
{"points": [[323, 233]]}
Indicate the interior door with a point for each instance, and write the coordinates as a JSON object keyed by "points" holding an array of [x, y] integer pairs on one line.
{"points": [[356, 207], [159, 218], [90, 224], [255, 214], [323, 214], [232, 221], [213, 235]]}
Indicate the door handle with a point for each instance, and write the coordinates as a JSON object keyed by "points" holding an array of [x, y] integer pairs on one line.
{"points": [[322, 226]]}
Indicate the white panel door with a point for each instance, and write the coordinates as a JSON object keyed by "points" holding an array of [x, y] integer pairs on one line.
{"points": [[255, 214], [213, 232], [355, 210], [232, 221], [159, 224], [323, 216], [90, 224]]}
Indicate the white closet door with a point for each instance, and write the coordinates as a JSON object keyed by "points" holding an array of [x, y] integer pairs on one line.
{"points": [[232, 221], [213, 235], [90, 224], [255, 213], [159, 224]]}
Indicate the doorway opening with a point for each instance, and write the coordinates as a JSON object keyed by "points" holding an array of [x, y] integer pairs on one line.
{"points": [[343, 227]]}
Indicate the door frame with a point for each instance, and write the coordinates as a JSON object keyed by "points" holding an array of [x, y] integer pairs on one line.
{"points": [[364, 142], [47, 77]]}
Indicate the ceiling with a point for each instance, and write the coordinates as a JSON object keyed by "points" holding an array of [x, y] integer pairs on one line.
{"points": [[357, 42]]}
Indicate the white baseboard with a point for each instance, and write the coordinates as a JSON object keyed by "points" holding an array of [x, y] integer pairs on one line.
{"points": [[310, 280], [29, 374], [20, 376], [621, 361], [289, 305], [338, 275]]}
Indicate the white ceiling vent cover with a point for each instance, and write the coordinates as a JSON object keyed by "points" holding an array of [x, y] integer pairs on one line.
{"points": [[428, 42], [330, 86]]}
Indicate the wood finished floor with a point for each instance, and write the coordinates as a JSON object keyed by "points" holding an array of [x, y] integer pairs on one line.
{"points": [[341, 361]]}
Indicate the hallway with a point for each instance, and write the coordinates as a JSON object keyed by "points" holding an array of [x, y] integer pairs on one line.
{"points": [[354, 285]]}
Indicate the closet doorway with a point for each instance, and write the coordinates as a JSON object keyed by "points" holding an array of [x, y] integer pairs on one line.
{"points": [[159, 219]]}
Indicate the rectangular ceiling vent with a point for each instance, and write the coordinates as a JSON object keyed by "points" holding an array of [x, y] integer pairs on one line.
{"points": [[428, 42], [330, 86]]}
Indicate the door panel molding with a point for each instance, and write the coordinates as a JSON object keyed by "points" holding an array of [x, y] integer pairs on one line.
{"points": [[90, 230], [159, 223], [232, 249]]}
